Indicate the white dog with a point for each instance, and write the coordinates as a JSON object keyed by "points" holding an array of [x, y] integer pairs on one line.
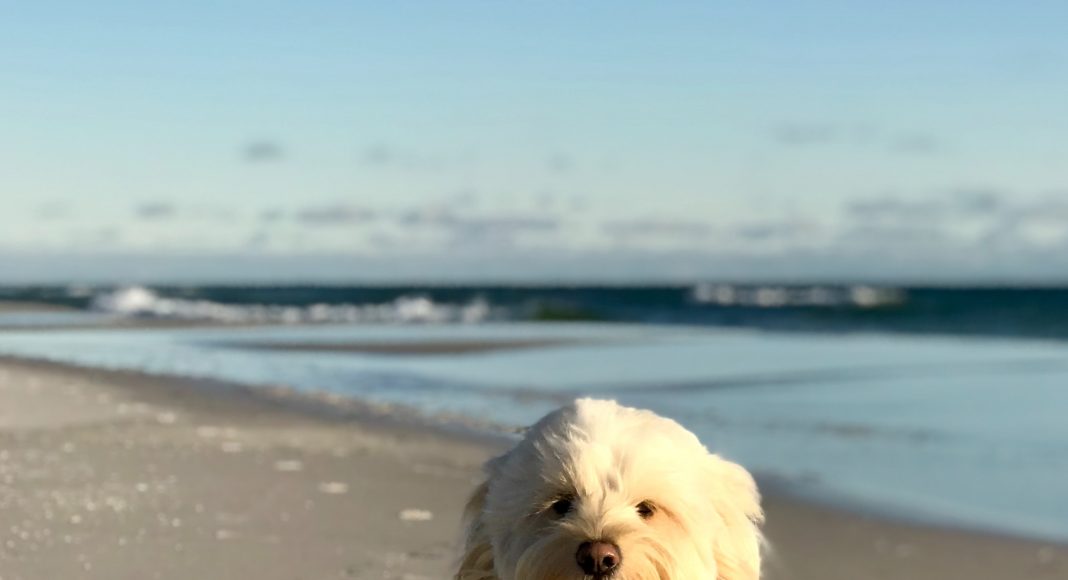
{"points": [[598, 490]]}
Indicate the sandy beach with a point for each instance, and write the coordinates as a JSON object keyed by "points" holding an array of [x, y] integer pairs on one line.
{"points": [[116, 475]]}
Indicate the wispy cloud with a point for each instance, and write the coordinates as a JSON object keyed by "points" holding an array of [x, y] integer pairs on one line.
{"points": [[162, 210], [478, 227], [378, 154], [774, 231], [657, 228], [792, 134], [959, 232], [802, 134], [497, 263], [263, 151], [260, 239], [916, 144], [271, 215], [384, 156], [53, 210], [96, 237], [339, 214], [560, 163], [980, 219], [955, 204], [155, 211]]}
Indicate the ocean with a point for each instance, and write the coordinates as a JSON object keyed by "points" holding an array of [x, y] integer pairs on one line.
{"points": [[941, 405], [1039, 312]]}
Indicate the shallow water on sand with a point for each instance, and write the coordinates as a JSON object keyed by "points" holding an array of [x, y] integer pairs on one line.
{"points": [[958, 431]]}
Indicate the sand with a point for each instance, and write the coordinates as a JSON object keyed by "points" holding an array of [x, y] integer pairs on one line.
{"points": [[114, 475]]}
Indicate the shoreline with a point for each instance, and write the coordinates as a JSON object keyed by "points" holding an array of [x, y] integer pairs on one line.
{"points": [[433, 460], [423, 348]]}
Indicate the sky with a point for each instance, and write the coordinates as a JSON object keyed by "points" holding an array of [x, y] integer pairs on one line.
{"points": [[533, 141]]}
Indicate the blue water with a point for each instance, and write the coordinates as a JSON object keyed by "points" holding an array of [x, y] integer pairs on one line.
{"points": [[964, 431], [1038, 312]]}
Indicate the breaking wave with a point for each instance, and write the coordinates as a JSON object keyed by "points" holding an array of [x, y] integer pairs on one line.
{"points": [[797, 297], [138, 301], [1040, 312]]}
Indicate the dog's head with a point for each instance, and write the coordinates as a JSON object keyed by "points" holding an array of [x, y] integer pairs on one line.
{"points": [[596, 490]]}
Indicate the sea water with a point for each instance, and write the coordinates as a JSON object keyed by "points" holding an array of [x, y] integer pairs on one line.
{"points": [[963, 431]]}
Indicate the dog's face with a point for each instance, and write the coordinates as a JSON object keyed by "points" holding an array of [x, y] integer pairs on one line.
{"points": [[597, 491]]}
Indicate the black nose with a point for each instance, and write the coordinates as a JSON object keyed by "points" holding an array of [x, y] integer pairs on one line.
{"points": [[598, 558]]}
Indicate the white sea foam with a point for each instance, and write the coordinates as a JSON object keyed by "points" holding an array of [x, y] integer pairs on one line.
{"points": [[138, 301], [791, 296]]}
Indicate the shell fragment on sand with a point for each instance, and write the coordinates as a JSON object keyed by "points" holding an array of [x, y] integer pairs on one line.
{"points": [[334, 487], [415, 515]]}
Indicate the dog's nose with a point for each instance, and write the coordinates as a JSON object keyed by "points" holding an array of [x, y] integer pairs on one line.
{"points": [[598, 558]]}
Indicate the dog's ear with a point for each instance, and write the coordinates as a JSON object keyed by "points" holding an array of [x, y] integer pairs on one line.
{"points": [[735, 498], [477, 560]]}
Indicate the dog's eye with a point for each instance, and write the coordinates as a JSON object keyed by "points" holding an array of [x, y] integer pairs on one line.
{"points": [[562, 505], [646, 510]]}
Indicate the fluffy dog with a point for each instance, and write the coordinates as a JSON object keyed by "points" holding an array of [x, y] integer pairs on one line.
{"points": [[596, 490]]}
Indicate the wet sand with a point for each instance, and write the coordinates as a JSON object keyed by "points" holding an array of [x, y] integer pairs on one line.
{"points": [[442, 347], [115, 475], [21, 306]]}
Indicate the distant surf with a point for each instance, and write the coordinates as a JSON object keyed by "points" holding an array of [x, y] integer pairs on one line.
{"points": [[1040, 312]]}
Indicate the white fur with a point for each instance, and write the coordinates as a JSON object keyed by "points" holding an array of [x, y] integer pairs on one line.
{"points": [[608, 458]]}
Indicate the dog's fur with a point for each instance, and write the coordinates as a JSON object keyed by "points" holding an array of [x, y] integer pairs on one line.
{"points": [[606, 460]]}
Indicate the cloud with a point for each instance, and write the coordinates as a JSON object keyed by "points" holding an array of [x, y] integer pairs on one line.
{"points": [[800, 134], [432, 215], [890, 238], [381, 155], [461, 228], [378, 155], [155, 211], [53, 210], [891, 208], [259, 240], [262, 152], [916, 143], [335, 215], [560, 163], [978, 201], [503, 225], [774, 231], [158, 211], [854, 135], [211, 213], [107, 235], [456, 218], [494, 264], [664, 233], [962, 233], [96, 237], [983, 221], [1052, 208], [656, 228], [271, 215], [383, 241], [457, 223], [957, 204]]}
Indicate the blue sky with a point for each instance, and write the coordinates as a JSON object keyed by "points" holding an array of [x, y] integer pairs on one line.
{"points": [[315, 140]]}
